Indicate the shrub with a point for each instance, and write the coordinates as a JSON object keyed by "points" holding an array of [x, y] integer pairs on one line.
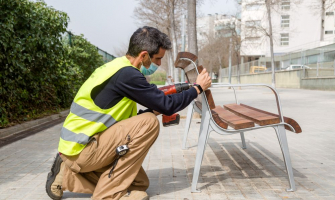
{"points": [[38, 73], [158, 76]]}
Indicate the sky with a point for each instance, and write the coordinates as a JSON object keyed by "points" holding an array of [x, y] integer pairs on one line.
{"points": [[109, 24]]}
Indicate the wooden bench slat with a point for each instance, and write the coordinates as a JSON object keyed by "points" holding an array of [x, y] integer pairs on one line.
{"points": [[234, 121], [258, 117], [288, 120], [210, 99], [219, 121]]}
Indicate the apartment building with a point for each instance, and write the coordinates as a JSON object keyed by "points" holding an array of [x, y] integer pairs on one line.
{"points": [[296, 24], [214, 26]]}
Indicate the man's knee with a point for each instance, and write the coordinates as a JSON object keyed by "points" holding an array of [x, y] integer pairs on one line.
{"points": [[152, 121]]}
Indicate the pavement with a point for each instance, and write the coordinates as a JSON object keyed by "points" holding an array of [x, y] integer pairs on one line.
{"points": [[227, 171]]}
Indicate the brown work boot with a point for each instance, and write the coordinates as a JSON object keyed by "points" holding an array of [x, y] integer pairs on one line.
{"points": [[135, 195], [55, 178]]}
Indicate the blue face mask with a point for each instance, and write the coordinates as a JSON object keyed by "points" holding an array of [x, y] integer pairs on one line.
{"points": [[153, 67], [146, 72]]}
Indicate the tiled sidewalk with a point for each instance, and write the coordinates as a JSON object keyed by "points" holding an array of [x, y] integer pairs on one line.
{"points": [[227, 172]]}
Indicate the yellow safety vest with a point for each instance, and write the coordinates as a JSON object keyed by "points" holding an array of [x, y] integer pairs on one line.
{"points": [[85, 118]]}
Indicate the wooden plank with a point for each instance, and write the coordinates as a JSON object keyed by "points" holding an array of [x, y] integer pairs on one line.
{"points": [[234, 121], [184, 63], [218, 120], [192, 75], [210, 99], [288, 120], [200, 68], [258, 117]]}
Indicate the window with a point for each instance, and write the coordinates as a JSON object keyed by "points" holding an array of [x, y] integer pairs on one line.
{"points": [[284, 39], [329, 13], [285, 21], [252, 38], [312, 59], [253, 23], [329, 32], [251, 7], [329, 56], [285, 4], [296, 67]]}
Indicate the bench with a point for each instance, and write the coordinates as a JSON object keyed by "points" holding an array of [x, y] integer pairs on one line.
{"points": [[232, 118]]}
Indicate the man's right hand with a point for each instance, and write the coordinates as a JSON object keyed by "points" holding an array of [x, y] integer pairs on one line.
{"points": [[204, 80]]}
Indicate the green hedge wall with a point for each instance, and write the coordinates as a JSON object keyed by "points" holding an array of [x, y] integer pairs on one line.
{"points": [[39, 71]]}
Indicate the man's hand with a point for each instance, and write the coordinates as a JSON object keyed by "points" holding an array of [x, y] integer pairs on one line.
{"points": [[156, 113], [203, 80]]}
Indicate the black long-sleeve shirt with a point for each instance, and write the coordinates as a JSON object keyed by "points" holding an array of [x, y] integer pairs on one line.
{"points": [[130, 82]]}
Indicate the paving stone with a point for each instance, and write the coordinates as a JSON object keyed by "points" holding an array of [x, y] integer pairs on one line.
{"points": [[227, 171]]}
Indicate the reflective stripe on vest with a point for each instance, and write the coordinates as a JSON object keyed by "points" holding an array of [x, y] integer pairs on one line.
{"points": [[91, 115], [79, 138]]}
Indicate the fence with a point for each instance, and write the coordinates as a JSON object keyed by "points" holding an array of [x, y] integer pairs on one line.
{"points": [[319, 62], [68, 36]]}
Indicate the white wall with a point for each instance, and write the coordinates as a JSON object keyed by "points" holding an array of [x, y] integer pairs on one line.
{"points": [[304, 30]]}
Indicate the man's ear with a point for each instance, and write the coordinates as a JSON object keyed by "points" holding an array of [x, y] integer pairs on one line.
{"points": [[142, 55]]}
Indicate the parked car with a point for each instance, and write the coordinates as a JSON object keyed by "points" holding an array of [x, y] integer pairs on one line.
{"points": [[291, 67], [257, 69]]}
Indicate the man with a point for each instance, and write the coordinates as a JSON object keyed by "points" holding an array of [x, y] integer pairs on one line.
{"points": [[103, 116]]}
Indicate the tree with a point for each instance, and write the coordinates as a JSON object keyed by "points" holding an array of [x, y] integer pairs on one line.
{"points": [[192, 26], [214, 54], [165, 15], [121, 50], [172, 33], [263, 27], [236, 48], [40, 71], [320, 7], [270, 34]]}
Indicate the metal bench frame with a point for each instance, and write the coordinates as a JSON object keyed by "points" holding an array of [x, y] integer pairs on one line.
{"points": [[208, 125]]}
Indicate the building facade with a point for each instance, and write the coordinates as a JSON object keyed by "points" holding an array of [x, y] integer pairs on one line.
{"points": [[215, 26], [296, 25]]}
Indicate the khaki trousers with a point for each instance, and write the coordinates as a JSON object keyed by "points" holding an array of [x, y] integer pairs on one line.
{"points": [[88, 171]]}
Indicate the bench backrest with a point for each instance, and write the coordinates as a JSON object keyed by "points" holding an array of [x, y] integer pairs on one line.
{"points": [[184, 62], [191, 75]]}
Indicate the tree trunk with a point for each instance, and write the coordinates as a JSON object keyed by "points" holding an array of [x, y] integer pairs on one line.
{"points": [[267, 3], [173, 38], [220, 67], [238, 69], [323, 10], [170, 63], [192, 27]]}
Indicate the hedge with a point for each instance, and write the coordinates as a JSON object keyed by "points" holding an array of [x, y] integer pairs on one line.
{"points": [[39, 71]]}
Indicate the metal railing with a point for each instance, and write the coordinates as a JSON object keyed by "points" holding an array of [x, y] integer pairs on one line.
{"points": [[317, 62]]}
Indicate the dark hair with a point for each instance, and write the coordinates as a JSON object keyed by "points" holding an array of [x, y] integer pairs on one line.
{"points": [[148, 39]]}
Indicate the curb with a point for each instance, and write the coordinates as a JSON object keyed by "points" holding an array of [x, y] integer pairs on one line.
{"points": [[31, 124]]}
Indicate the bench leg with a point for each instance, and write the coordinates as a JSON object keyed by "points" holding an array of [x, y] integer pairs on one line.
{"points": [[281, 135], [244, 146], [188, 123], [200, 151], [201, 127]]}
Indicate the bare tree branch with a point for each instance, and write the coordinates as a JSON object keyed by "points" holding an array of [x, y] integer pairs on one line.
{"points": [[164, 15]]}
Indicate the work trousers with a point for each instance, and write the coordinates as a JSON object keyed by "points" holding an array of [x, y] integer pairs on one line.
{"points": [[88, 172]]}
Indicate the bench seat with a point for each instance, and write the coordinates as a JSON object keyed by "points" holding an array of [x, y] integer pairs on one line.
{"points": [[259, 118], [234, 121]]}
